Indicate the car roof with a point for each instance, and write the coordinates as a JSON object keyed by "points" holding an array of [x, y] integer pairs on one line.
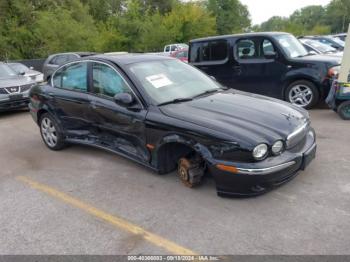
{"points": [[81, 54], [126, 59], [238, 35]]}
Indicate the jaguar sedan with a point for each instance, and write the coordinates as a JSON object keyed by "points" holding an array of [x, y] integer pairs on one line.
{"points": [[167, 115]]}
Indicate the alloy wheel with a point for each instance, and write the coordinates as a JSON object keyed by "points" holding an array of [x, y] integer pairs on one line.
{"points": [[301, 95], [49, 132]]}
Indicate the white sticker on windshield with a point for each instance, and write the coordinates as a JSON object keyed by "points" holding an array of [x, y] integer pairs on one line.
{"points": [[159, 80]]}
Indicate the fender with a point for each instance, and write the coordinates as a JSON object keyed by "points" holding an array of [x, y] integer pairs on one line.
{"points": [[311, 74], [201, 149]]}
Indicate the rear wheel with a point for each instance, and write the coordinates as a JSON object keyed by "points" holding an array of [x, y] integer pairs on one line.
{"points": [[344, 110], [50, 132], [303, 94]]}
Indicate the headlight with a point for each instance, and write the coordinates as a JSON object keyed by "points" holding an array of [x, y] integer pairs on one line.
{"points": [[260, 151], [334, 71], [277, 147]]}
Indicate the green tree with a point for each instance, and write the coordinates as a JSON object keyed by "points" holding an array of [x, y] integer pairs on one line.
{"points": [[231, 16], [308, 17], [338, 15], [184, 22]]}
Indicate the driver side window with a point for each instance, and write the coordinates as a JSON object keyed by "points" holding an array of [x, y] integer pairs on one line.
{"points": [[107, 82]]}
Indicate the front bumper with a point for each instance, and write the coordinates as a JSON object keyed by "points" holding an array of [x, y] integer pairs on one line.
{"points": [[253, 179], [9, 102]]}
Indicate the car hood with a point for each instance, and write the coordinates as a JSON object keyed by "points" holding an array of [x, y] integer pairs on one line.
{"points": [[15, 81], [32, 73], [242, 116], [333, 60]]}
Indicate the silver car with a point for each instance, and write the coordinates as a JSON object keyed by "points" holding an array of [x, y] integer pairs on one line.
{"points": [[54, 61], [29, 72], [14, 89]]}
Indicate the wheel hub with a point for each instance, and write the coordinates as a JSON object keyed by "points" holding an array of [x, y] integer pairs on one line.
{"points": [[301, 95]]}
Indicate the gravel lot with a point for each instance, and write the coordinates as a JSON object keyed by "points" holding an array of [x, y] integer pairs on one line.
{"points": [[309, 215]]}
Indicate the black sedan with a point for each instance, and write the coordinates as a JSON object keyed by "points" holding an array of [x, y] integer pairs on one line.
{"points": [[167, 115]]}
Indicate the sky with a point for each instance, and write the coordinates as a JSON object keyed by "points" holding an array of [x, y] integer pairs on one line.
{"points": [[262, 10]]}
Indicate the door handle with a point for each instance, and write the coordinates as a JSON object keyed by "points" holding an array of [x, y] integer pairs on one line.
{"points": [[237, 69]]}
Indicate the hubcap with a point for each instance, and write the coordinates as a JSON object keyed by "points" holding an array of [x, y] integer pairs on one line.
{"points": [[49, 132], [301, 95]]}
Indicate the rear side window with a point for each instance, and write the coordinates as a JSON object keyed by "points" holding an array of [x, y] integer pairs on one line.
{"points": [[173, 48], [254, 48], [72, 77], [167, 48], [246, 49], [59, 60], [209, 51]]}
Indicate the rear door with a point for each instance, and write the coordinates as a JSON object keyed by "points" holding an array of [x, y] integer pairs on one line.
{"points": [[255, 71], [70, 97], [117, 127], [213, 58]]}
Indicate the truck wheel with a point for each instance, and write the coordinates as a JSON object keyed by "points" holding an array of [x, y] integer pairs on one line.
{"points": [[190, 172], [344, 110], [50, 133], [302, 93]]}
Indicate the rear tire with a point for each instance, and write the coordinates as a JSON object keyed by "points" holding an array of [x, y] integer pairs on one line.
{"points": [[344, 110], [51, 133], [302, 93]]}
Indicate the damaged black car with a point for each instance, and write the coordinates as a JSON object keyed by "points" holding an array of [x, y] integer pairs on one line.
{"points": [[167, 115]]}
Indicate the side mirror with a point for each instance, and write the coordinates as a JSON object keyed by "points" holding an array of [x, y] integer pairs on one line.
{"points": [[124, 99], [270, 55], [127, 100]]}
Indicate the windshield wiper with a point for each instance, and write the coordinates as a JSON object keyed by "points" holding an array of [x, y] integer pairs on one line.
{"points": [[208, 92], [176, 100]]}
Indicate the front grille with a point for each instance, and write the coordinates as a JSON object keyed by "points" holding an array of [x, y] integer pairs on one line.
{"points": [[297, 136], [14, 89]]}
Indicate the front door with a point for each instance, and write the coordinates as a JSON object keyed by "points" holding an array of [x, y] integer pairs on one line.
{"points": [[255, 69], [118, 127]]}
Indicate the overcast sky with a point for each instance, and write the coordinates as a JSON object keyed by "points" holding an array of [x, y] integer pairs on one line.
{"points": [[262, 10]]}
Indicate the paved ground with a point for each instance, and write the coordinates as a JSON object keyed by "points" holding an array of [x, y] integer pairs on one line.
{"points": [[83, 193]]}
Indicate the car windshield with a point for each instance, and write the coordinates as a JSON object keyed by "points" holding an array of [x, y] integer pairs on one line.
{"points": [[19, 68], [339, 41], [291, 46], [6, 71], [169, 80], [321, 47]]}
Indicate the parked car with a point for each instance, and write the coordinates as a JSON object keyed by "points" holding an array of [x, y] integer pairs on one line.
{"points": [[271, 64], [22, 69], [341, 36], [181, 55], [167, 115], [328, 40], [14, 89], [56, 60], [315, 47], [169, 49]]}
